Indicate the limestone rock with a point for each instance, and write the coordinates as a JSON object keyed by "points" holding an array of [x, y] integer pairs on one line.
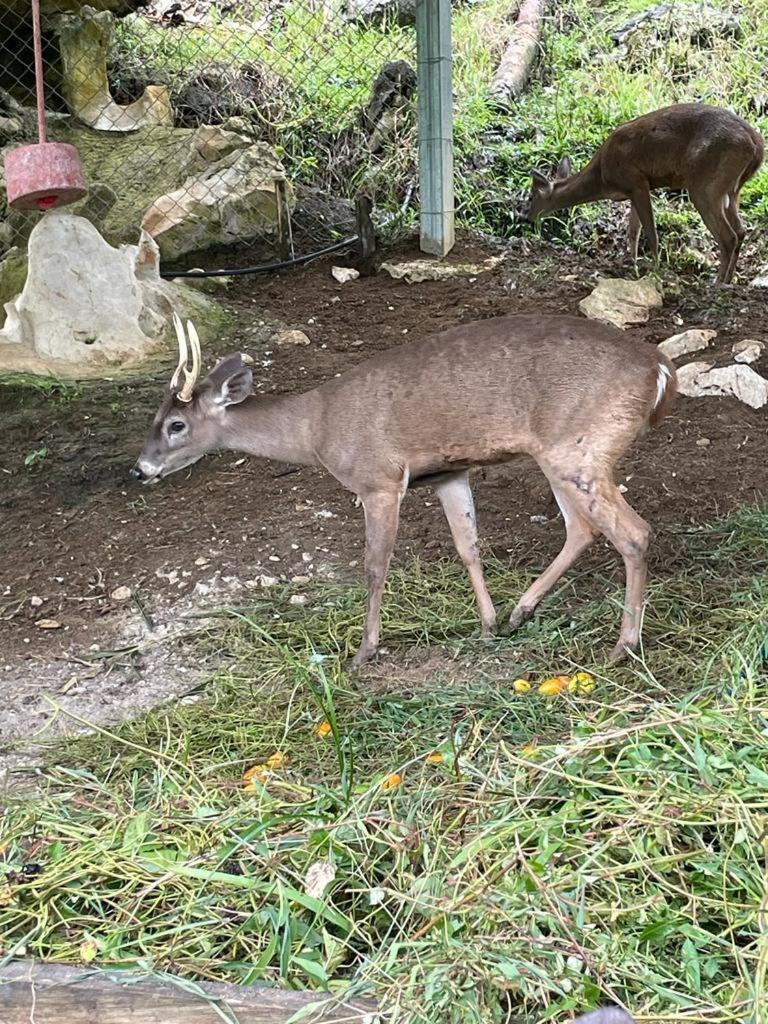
{"points": [[285, 338], [742, 382], [153, 163], [86, 305], [619, 302], [228, 201], [84, 40], [747, 351], [416, 271], [688, 341]]}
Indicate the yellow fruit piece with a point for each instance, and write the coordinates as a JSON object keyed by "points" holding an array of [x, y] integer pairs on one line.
{"points": [[435, 758], [258, 773], [88, 951], [276, 761], [554, 685], [6, 896], [521, 686], [323, 729], [529, 750], [582, 682], [392, 781]]}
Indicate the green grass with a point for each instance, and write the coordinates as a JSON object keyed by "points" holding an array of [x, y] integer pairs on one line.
{"points": [[564, 851]]}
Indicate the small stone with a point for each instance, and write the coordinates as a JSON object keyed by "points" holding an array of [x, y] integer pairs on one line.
{"points": [[689, 341], [619, 302], [201, 561], [48, 624], [121, 594], [747, 351], [203, 589], [274, 558], [344, 274], [35, 601], [305, 556], [298, 599], [267, 581], [300, 579], [286, 338], [703, 442]]}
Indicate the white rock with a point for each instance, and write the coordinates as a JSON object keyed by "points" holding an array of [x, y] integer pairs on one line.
{"points": [[267, 581], [36, 602], [740, 381], [747, 351], [688, 341], [344, 274], [761, 281], [121, 594], [283, 338], [298, 599], [619, 302], [416, 271], [86, 305]]}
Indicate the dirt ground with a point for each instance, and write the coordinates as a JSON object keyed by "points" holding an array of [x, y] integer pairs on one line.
{"points": [[75, 527]]}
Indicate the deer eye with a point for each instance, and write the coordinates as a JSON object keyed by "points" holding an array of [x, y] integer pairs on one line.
{"points": [[176, 426]]}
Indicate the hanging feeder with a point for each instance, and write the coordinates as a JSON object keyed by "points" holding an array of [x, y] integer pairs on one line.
{"points": [[48, 174]]}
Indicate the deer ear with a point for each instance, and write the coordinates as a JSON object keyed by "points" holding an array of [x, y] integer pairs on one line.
{"points": [[541, 183], [564, 168], [234, 388]]}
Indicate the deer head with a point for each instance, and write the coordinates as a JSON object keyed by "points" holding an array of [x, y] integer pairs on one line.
{"points": [[192, 418], [543, 195]]}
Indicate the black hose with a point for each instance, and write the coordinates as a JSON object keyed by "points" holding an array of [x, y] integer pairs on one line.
{"points": [[266, 268]]}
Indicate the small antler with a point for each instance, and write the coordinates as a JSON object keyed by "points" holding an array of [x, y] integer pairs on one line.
{"points": [[190, 376]]}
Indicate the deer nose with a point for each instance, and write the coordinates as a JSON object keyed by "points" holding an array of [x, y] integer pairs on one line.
{"points": [[137, 472]]}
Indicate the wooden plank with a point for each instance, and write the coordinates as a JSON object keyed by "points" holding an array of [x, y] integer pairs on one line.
{"points": [[55, 994], [434, 62], [284, 246]]}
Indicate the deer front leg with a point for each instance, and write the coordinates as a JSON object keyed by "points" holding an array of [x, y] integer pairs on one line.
{"points": [[633, 234], [641, 205], [382, 512]]}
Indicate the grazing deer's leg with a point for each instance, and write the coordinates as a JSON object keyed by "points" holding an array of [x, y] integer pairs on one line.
{"points": [[382, 512], [711, 207], [633, 233], [600, 501], [641, 204], [579, 535], [733, 218], [455, 496]]}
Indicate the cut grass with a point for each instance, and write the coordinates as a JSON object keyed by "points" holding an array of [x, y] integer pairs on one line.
{"points": [[562, 852]]}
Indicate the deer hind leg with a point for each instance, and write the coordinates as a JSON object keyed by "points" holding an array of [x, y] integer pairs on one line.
{"points": [[579, 534], [382, 513], [643, 211], [455, 496], [733, 218], [711, 206]]}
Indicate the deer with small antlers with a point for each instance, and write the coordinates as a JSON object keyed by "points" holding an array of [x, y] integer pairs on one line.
{"points": [[571, 393], [706, 150]]}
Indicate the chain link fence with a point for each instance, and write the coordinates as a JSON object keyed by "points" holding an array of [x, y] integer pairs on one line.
{"points": [[238, 129]]}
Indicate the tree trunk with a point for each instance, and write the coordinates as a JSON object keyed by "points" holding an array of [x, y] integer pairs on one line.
{"points": [[520, 54]]}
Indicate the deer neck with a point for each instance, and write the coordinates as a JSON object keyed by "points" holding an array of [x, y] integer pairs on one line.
{"points": [[281, 427], [584, 187]]}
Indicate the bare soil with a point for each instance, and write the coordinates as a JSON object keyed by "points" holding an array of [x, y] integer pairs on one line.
{"points": [[75, 527]]}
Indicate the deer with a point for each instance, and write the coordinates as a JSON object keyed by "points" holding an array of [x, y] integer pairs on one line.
{"points": [[571, 393], [707, 150]]}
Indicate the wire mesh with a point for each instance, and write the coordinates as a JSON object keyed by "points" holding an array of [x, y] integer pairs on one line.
{"points": [[220, 126]]}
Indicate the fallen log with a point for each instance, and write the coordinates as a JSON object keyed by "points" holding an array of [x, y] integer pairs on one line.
{"points": [[520, 53], [55, 994]]}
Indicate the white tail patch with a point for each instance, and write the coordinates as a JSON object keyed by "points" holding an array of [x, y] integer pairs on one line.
{"points": [[663, 377]]}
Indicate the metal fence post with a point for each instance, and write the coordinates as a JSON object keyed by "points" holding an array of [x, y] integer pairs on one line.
{"points": [[433, 43]]}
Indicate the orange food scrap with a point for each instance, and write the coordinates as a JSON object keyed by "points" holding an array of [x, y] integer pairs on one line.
{"points": [[392, 781], [323, 729], [435, 758], [554, 685], [521, 686]]}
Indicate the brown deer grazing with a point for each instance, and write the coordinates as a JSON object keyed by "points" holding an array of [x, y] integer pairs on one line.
{"points": [[706, 150], [571, 393]]}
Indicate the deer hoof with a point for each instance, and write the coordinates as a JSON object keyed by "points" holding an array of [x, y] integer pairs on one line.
{"points": [[620, 652], [518, 617], [360, 660]]}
